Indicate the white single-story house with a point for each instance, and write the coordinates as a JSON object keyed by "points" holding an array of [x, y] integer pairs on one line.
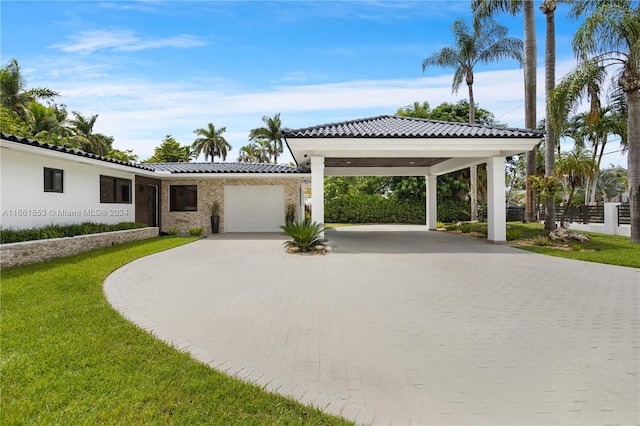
{"points": [[42, 184]]}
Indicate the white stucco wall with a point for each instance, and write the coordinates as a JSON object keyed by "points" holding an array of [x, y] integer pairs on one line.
{"points": [[24, 204]]}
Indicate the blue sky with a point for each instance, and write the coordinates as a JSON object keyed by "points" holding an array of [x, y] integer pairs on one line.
{"points": [[152, 68]]}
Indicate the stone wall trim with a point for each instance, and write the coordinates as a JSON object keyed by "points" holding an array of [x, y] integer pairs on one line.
{"points": [[27, 252]]}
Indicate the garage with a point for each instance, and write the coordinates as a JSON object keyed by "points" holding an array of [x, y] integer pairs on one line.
{"points": [[253, 208]]}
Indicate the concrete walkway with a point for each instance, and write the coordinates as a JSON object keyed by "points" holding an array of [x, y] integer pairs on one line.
{"points": [[401, 326]]}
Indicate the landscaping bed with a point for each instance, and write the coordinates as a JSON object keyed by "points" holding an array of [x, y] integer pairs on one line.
{"points": [[600, 248]]}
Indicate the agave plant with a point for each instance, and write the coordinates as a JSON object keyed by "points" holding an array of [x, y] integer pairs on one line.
{"points": [[307, 235]]}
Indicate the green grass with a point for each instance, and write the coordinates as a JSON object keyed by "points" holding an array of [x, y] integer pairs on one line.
{"points": [[340, 225], [69, 358], [601, 248]]}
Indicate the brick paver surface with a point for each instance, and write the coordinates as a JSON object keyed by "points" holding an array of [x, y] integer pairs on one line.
{"points": [[401, 326]]}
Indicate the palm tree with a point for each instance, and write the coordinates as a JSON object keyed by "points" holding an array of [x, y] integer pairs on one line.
{"points": [[596, 126], [551, 138], [256, 152], [609, 36], [42, 121], [483, 9], [272, 132], [211, 143], [610, 186], [13, 94], [488, 43], [574, 168], [82, 135]]}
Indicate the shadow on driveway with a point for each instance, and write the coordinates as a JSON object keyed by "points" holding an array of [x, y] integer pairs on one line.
{"points": [[404, 239]]}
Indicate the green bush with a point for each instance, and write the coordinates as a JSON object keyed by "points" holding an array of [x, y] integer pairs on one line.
{"points": [[172, 231], [60, 231], [513, 234], [306, 235], [196, 232], [451, 227], [542, 241], [453, 211], [465, 228], [373, 208]]}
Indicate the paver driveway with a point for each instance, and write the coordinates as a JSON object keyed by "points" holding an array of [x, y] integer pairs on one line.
{"points": [[403, 326]]}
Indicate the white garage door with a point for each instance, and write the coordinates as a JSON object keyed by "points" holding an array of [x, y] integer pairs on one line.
{"points": [[257, 208]]}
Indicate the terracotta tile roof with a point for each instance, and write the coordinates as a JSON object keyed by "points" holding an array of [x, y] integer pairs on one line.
{"points": [[391, 126]]}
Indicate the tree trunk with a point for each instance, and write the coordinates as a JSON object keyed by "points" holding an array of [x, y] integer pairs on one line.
{"points": [[473, 178], [548, 8], [594, 181], [472, 105], [530, 99], [633, 159], [473, 170]]}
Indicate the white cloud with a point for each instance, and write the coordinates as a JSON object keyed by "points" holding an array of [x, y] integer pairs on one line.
{"points": [[122, 40]]}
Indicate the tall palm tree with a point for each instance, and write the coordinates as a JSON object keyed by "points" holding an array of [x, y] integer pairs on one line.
{"points": [[13, 94], [272, 132], [488, 43], [483, 9], [551, 138], [609, 36], [211, 143]]}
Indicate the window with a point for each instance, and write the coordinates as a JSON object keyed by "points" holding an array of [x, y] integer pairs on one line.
{"points": [[183, 198], [115, 190], [53, 180]]}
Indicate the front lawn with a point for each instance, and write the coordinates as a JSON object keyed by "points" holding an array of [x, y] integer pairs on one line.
{"points": [[600, 248], [69, 358]]}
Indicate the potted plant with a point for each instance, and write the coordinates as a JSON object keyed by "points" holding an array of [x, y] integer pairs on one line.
{"points": [[291, 213], [214, 209]]}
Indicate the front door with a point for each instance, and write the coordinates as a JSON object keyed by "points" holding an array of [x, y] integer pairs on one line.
{"points": [[153, 205]]}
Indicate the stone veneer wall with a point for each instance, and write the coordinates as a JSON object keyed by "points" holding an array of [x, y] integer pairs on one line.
{"points": [[210, 190], [26, 252]]}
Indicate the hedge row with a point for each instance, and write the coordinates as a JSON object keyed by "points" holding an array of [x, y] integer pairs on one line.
{"points": [[60, 231], [365, 208]]}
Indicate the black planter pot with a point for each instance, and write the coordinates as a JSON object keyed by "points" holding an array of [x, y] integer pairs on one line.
{"points": [[215, 224]]}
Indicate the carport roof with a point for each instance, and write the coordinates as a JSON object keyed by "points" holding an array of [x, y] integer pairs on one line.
{"points": [[391, 126], [404, 146]]}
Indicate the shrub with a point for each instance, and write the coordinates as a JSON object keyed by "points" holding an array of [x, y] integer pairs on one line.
{"points": [[172, 231], [60, 231], [513, 234], [373, 208], [306, 235], [451, 227], [542, 240], [196, 232], [453, 211], [465, 228], [439, 225]]}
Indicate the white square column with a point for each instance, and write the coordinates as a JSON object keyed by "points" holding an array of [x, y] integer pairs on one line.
{"points": [[496, 204], [432, 202], [317, 189]]}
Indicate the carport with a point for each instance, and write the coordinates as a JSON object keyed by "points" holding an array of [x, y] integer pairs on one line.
{"points": [[404, 146]]}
